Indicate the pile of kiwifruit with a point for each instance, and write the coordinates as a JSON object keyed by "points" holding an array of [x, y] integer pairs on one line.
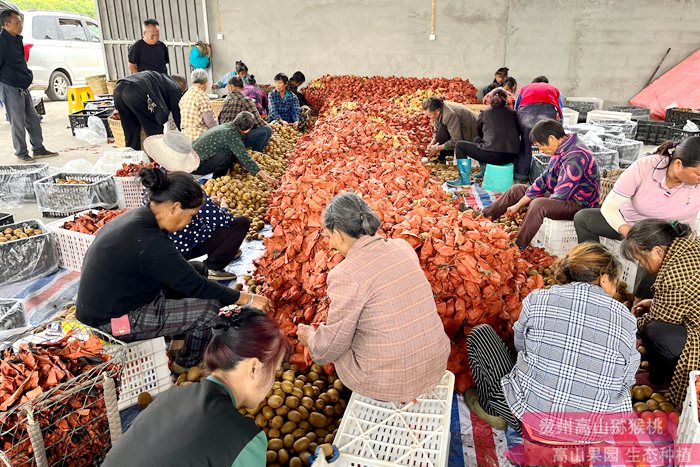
{"points": [[283, 140], [443, 172], [301, 412], [10, 234], [273, 165]]}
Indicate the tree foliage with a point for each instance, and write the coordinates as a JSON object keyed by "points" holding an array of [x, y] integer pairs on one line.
{"points": [[82, 7]]}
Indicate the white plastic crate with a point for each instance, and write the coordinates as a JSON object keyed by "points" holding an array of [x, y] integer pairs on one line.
{"points": [[629, 268], [129, 192], [145, 370], [374, 434], [556, 237], [688, 424], [71, 245], [605, 115], [570, 116]]}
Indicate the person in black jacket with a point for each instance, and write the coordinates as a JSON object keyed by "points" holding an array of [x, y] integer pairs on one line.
{"points": [[199, 424], [498, 140], [136, 285], [145, 100]]}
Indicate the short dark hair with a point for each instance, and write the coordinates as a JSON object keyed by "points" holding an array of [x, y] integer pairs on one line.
{"points": [[240, 66], [541, 79], [298, 77], [433, 103], [175, 187], [180, 80], [543, 129], [503, 71], [281, 77], [6, 15], [235, 81], [510, 81], [151, 22], [248, 334]]}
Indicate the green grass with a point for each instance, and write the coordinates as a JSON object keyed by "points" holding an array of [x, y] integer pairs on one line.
{"points": [[82, 7]]}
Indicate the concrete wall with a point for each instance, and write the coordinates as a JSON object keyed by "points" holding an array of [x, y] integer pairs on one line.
{"points": [[600, 48]]}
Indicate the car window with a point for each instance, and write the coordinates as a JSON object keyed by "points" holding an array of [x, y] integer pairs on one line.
{"points": [[93, 31], [44, 27], [72, 30]]}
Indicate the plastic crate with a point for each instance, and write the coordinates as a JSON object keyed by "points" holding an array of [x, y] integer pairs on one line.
{"points": [[570, 116], [606, 158], [652, 131], [626, 128], [6, 218], [145, 370], [681, 115], [636, 111], [629, 268], [677, 134], [630, 150], [17, 182], [71, 246], [27, 258], [12, 314], [583, 105], [556, 237], [375, 434], [688, 424], [62, 200], [129, 192], [80, 119], [538, 165]]}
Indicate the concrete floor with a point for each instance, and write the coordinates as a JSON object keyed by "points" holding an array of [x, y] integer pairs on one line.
{"points": [[57, 137]]}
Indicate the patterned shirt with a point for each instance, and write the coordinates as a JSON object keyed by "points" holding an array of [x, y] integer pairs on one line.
{"points": [[236, 103], [258, 95], [572, 174], [193, 105], [383, 332], [224, 139], [677, 301], [576, 353], [286, 108], [208, 220]]}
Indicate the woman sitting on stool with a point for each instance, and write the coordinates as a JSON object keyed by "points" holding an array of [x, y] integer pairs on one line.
{"points": [[568, 184], [497, 143], [669, 324], [576, 348]]}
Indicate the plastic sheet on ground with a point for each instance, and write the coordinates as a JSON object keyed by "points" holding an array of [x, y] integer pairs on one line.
{"points": [[16, 183]]}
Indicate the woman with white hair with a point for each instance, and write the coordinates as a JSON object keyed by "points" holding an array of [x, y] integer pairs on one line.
{"points": [[383, 331], [196, 113]]}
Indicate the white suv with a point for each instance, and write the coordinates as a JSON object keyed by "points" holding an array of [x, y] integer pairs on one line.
{"points": [[62, 49]]}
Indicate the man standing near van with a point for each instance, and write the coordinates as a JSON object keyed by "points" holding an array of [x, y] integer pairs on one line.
{"points": [[15, 79], [149, 53]]}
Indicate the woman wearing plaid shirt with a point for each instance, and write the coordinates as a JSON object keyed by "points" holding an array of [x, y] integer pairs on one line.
{"points": [[576, 348], [669, 324]]}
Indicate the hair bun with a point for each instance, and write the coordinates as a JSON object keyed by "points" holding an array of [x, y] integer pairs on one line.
{"points": [[154, 179]]}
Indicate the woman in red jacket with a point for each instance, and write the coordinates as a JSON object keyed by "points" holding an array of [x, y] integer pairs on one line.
{"points": [[536, 101]]}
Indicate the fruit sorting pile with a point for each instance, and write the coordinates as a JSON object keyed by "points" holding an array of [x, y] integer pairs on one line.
{"points": [[92, 221], [372, 147], [10, 235], [132, 170]]}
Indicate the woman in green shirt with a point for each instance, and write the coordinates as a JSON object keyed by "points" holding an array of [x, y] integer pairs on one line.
{"points": [[199, 424]]}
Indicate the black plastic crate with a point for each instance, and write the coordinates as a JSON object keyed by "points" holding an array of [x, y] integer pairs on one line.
{"points": [[538, 165], [681, 115], [652, 131], [80, 119], [6, 218], [636, 111], [677, 134]]}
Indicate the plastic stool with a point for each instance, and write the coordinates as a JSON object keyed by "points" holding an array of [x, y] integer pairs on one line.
{"points": [[77, 96], [498, 177]]}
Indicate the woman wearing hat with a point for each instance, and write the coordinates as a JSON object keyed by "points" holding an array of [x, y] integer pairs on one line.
{"points": [[136, 285], [212, 231]]}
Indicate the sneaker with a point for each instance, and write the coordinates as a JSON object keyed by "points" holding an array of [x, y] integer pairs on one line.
{"points": [[43, 153], [471, 397], [25, 158], [221, 275]]}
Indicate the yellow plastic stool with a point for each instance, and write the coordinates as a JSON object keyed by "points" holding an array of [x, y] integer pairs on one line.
{"points": [[77, 96]]}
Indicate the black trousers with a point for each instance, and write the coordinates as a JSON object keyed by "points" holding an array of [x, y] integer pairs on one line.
{"points": [[222, 247], [132, 104], [219, 164], [464, 149], [528, 116], [664, 343]]}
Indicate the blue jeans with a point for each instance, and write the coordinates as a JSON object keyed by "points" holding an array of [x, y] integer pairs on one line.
{"points": [[257, 138]]}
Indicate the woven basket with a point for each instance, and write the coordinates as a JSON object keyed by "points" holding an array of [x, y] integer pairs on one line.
{"points": [[477, 108], [118, 132], [98, 84], [216, 106], [110, 86], [607, 181]]}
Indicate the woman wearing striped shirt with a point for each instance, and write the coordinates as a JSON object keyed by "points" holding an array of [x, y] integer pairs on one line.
{"points": [[575, 346]]}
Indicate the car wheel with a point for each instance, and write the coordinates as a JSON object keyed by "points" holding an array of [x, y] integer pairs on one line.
{"points": [[58, 86]]}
